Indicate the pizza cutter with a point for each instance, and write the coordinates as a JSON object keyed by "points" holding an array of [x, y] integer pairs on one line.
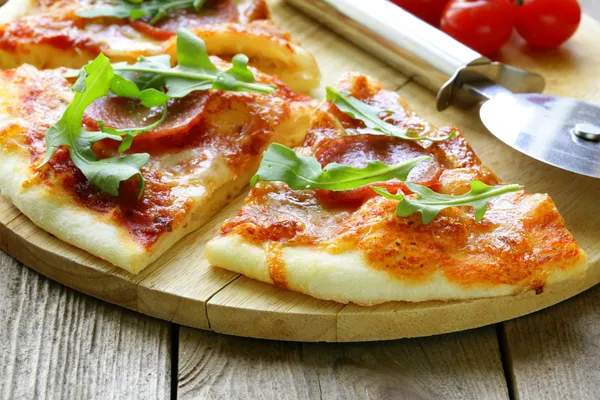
{"points": [[559, 131]]}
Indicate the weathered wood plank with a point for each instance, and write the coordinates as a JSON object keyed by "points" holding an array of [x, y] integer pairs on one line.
{"points": [[555, 353], [57, 343], [457, 366], [213, 366]]}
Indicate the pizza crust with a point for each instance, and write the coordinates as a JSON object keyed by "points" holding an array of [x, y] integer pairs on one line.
{"points": [[346, 277]]}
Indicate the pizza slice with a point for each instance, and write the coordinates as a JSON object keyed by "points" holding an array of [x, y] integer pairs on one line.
{"points": [[138, 155], [70, 33], [378, 205]]}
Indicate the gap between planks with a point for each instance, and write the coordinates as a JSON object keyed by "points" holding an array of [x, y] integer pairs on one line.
{"points": [[507, 362]]}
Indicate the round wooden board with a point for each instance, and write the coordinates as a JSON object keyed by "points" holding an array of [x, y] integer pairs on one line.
{"points": [[181, 286]]}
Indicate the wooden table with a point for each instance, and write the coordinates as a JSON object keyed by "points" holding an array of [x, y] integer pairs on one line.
{"points": [[57, 343]]}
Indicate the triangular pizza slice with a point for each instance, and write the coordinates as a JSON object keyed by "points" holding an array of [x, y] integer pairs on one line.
{"points": [[69, 33], [378, 205], [125, 168]]}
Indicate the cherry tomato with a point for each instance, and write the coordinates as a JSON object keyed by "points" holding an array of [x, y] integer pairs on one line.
{"points": [[483, 25], [429, 11], [547, 23]]}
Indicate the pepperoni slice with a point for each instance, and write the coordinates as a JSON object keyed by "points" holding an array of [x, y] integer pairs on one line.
{"points": [[214, 12], [355, 197], [120, 112], [357, 151]]}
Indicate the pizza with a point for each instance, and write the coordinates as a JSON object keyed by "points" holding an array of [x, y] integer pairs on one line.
{"points": [[378, 205], [70, 33], [158, 165]]}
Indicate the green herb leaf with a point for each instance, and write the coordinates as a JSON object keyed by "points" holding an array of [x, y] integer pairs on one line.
{"points": [[429, 203], [94, 82], [148, 97], [370, 116], [155, 9], [282, 164], [152, 79], [195, 71], [107, 173]]}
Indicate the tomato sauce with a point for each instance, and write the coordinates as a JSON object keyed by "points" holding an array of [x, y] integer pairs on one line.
{"points": [[275, 264], [146, 218], [63, 34]]}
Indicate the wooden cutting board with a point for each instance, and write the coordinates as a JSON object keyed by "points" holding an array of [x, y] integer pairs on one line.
{"points": [[182, 287]]}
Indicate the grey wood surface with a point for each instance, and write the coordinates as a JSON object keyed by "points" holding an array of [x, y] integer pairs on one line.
{"points": [[465, 365], [56, 343], [555, 353]]}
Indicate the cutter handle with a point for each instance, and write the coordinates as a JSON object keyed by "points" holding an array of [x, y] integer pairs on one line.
{"points": [[424, 53], [396, 36]]}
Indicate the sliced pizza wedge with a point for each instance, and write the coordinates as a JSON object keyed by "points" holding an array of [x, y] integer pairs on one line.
{"points": [[69, 33], [378, 205], [126, 188]]}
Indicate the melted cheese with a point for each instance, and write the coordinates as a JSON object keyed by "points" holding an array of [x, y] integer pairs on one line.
{"points": [[14, 9]]}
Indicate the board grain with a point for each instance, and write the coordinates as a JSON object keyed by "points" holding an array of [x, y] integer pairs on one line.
{"points": [[456, 366], [57, 343], [181, 287]]}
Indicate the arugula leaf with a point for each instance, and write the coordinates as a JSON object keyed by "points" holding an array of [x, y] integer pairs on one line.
{"points": [[369, 115], [429, 203], [107, 173], [94, 82], [149, 97], [281, 163], [195, 71], [146, 80], [136, 9]]}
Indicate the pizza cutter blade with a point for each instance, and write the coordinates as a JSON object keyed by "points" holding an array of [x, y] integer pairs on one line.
{"points": [[556, 130], [559, 131]]}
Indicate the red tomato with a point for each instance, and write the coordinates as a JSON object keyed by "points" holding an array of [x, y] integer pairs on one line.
{"points": [[548, 23], [483, 25], [429, 11]]}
